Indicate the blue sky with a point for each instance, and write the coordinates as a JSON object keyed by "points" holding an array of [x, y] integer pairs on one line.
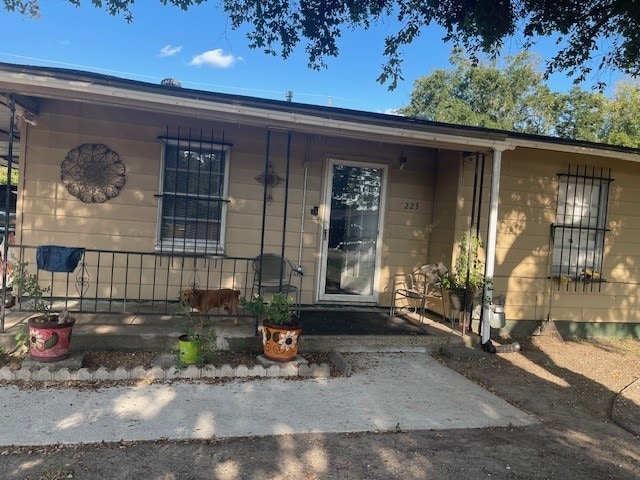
{"points": [[200, 49]]}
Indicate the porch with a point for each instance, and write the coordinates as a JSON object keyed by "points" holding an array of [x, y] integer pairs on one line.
{"points": [[354, 330]]}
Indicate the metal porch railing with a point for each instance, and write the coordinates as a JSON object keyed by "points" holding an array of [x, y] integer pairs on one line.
{"points": [[134, 282]]}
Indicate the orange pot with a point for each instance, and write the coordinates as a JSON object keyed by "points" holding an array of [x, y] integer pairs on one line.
{"points": [[280, 342]]}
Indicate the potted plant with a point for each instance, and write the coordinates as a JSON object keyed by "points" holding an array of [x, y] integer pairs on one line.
{"points": [[49, 332], [280, 330], [198, 342], [466, 279]]}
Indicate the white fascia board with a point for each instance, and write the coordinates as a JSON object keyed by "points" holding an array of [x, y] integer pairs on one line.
{"points": [[84, 91], [79, 91], [577, 149]]}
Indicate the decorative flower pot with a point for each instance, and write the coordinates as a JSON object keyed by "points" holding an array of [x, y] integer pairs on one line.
{"points": [[48, 341], [280, 342], [189, 350]]}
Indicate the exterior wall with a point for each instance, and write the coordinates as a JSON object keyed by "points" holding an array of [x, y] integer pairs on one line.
{"points": [[50, 215], [528, 202], [408, 218], [428, 205]]}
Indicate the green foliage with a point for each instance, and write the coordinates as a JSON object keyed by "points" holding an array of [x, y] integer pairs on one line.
{"points": [[622, 119], [514, 97], [509, 97], [29, 287], [22, 341], [468, 270], [198, 331], [278, 310], [597, 34], [4, 170], [581, 115]]}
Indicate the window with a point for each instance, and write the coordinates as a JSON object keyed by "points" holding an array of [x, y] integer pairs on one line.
{"points": [[192, 207], [579, 231]]}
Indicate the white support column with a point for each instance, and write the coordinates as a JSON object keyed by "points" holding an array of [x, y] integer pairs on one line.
{"points": [[492, 234]]}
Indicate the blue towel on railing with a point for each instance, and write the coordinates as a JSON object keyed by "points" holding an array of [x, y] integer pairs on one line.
{"points": [[58, 259]]}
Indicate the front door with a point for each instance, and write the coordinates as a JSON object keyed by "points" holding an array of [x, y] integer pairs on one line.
{"points": [[352, 232]]}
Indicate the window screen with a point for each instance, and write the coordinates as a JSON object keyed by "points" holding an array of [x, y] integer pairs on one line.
{"points": [[579, 231], [193, 196]]}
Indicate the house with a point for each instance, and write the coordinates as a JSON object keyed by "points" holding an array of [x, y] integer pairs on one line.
{"points": [[187, 186]]}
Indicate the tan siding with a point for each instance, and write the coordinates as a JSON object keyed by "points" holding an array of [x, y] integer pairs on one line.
{"points": [[427, 233], [528, 201]]}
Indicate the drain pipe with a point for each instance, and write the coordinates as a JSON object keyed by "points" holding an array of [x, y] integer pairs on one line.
{"points": [[487, 295]]}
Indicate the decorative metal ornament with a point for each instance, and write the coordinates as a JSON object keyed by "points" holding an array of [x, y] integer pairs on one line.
{"points": [[270, 180], [93, 173]]}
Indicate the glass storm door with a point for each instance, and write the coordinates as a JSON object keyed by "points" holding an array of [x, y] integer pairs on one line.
{"points": [[352, 232]]}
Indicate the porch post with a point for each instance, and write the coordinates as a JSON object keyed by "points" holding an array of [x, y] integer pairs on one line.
{"points": [[492, 230], [7, 220]]}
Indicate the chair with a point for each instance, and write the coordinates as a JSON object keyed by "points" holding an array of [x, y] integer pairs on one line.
{"points": [[418, 285], [274, 274]]}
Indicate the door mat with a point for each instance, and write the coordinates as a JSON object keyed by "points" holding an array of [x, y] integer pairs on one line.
{"points": [[330, 322]]}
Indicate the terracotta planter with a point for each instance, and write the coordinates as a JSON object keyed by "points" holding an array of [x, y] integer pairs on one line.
{"points": [[49, 342], [280, 342]]}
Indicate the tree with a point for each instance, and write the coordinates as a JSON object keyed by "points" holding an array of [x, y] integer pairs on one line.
{"points": [[484, 95], [605, 32], [622, 122], [514, 97], [581, 115]]}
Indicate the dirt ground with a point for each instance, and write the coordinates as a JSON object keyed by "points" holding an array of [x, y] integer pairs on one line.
{"points": [[570, 386]]}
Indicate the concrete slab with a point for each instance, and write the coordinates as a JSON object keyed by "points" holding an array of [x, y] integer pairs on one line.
{"points": [[410, 391], [72, 362], [265, 362]]}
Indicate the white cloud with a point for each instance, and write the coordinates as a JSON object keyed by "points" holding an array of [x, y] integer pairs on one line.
{"points": [[214, 58], [169, 50]]}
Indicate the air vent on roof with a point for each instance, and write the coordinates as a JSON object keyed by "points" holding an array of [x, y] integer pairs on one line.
{"points": [[171, 82]]}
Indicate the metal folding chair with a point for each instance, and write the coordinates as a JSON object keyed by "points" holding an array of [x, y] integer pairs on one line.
{"points": [[274, 274], [417, 287]]}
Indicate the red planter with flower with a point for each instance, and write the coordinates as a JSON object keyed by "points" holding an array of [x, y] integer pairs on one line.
{"points": [[49, 341]]}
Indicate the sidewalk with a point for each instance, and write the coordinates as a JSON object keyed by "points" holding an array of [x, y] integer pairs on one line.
{"points": [[389, 391]]}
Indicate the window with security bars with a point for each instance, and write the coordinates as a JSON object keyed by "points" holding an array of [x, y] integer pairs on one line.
{"points": [[193, 197], [580, 228]]}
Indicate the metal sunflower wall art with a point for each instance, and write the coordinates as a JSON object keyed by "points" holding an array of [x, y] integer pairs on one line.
{"points": [[93, 173]]}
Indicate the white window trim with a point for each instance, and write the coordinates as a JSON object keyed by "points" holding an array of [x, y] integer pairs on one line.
{"points": [[561, 266], [179, 246]]}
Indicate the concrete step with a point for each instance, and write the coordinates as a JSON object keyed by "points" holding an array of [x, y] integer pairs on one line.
{"points": [[103, 332]]}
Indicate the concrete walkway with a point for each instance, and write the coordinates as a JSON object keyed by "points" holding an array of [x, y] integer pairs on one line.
{"points": [[387, 391]]}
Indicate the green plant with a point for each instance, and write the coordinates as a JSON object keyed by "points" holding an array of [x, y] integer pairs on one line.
{"points": [[198, 331], [22, 342], [29, 287], [278, 310], [468, 270]]}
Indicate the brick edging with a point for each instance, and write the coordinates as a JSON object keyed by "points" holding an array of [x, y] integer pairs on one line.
{"points": [[45, 374]]}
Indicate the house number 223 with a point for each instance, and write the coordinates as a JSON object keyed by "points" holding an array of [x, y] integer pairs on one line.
{"points": [[411, 205]]}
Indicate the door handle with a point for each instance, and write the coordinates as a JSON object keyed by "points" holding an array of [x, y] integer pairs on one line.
{"points": [[324, 234]]}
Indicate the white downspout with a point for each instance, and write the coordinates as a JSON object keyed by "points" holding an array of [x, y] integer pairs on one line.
{"points": [[492, 233]]}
